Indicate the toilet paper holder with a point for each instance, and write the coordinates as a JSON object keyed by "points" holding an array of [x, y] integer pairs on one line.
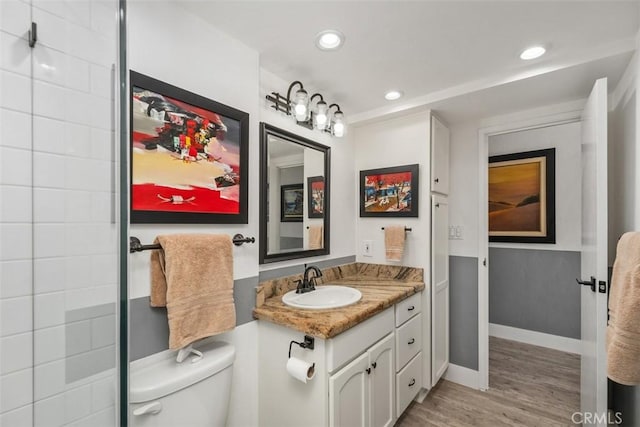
{"points": [[309, 343]]}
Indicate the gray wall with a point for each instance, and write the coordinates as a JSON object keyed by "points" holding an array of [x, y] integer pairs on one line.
{"points": [[149, 330], [535, 290], [463, 311]]}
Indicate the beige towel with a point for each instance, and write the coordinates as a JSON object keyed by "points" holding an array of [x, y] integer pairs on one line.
{"points": [[394, 242], [623, 332], [193, 277], [316, 237]]}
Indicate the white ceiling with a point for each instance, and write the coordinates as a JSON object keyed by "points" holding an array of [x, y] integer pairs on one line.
{"points": [[429, 47]]}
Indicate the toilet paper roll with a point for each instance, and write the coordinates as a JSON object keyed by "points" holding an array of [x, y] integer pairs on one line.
{"points": [[301, 370]]}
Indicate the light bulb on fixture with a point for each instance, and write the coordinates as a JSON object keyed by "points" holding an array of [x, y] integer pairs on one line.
{"points": [[320, 118], [338, 124], [300, 105]]}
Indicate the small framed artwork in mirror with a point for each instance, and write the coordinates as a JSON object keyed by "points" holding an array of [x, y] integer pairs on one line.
{"points": [[315, 188], [292, 198]]}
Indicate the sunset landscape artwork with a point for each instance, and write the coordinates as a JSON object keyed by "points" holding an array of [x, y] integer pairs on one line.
{"points": [[521, 204]]}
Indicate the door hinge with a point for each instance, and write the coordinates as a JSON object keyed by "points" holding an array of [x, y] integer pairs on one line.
{"points": [[33, 34]]}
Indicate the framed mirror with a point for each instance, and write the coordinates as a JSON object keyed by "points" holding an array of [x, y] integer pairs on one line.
{"points": [[294, 196]]}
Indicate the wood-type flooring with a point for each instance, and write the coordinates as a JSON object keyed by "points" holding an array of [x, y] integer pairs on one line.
{"points": [[528, 386]]}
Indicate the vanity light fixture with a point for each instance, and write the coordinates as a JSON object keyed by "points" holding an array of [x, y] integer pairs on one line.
{"points": [[329, 40], [532, 53], [392, 95], [302, 108]]}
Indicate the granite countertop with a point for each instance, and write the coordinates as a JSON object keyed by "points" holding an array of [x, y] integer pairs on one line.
{"points": [[381, 285]]}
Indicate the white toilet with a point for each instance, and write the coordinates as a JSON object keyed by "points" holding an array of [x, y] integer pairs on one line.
{"points": [[166, 393]]}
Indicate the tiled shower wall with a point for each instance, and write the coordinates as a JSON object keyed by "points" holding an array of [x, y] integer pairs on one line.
{"points": [[58, 253]]}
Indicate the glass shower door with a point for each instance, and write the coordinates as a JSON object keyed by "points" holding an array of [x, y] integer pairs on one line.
{"points": [[60, 230]]}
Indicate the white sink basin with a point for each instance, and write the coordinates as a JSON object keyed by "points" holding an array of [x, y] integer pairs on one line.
{"points": [[323, 297]]}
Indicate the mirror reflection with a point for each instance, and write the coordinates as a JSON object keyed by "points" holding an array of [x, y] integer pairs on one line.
{"points": [[294, 199]]}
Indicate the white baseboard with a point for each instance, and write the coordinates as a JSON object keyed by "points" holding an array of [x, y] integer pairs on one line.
{"points": [[556, 342], [463, 376]]}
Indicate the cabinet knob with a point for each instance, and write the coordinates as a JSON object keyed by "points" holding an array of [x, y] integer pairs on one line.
{"points": [[411, 308], [437, 180], [374, 364], [412, 383], [368, 371], [411, 341]]}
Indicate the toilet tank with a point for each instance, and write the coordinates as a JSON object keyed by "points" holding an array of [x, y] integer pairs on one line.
{"points": [[166, 393]]}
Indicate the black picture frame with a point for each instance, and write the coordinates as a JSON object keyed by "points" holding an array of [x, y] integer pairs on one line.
{"points": [[268, 132], [312, 211], [199, 109], [501, 212], [286, 214], [378, 195]]}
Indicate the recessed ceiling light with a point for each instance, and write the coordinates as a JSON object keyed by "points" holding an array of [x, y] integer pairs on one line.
{"points": [[329, 40], [392, 95], [532, 53]]}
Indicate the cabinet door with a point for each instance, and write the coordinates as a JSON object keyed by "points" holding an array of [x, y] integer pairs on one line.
{"points": [[349, 395], [440, 289], [439, 157], [381, 382]]}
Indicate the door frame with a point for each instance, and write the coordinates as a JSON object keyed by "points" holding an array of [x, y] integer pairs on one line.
{"points": [[572, 113]]}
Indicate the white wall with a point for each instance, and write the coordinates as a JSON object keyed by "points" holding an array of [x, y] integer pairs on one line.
{"points": [[565, 138], [226, 71], [395, 142], [463, 198], [343, 203]]}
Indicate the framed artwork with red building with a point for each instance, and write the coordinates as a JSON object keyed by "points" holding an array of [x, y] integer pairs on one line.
{"points": [[189, 156], [389, 192]]}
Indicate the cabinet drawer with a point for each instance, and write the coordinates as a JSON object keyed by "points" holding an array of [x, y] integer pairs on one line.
{"points": [[408, 383], [408, 341], [344, 347], [408, 308]]}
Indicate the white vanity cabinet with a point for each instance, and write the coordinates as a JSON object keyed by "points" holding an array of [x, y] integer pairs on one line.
{"points": [[361, 393], [408, 351], [357, 374]]}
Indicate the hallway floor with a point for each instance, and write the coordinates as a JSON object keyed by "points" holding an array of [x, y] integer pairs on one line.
{"points": [[528, 386]]}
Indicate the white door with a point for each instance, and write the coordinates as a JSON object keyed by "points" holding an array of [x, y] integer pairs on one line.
{"points": [[593, 387], [381, 383], [349, 395], [440, 283]]}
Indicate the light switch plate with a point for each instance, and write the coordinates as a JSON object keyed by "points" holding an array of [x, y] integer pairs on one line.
{"points": [[367, 248]]}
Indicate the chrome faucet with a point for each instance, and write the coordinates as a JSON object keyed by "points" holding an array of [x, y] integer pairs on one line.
{"points": [[308, 284]]}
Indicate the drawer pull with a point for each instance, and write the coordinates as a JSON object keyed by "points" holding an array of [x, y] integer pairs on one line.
{"points": [[411, 308], [411, 341], [413, 382], [374, 364]]}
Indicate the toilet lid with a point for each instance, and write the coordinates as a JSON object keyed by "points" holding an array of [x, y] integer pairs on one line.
{"points": [[152, 378]]}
